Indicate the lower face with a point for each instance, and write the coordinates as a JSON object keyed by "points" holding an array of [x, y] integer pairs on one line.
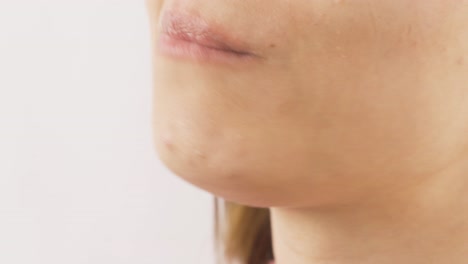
{"points": [[309, 102]]}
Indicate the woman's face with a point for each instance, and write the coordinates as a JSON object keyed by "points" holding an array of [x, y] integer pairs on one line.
{"points": [[309, 102]]}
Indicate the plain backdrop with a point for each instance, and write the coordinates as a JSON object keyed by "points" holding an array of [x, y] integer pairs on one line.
{"points": [[80, 182]]}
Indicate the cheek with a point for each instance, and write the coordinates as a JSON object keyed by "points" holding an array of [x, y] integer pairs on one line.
{"points": [[384, 85], [362, 27]]}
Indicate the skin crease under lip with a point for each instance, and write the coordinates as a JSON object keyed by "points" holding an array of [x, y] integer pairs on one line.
{"points": [[353, 129]]}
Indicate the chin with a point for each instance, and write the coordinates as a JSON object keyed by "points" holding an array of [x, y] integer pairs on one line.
{"points": [[223, 173]]}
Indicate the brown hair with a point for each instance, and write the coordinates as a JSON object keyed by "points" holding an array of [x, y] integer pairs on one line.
{"points": [[242, 233]]}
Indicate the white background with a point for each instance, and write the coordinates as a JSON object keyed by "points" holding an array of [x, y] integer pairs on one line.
{"points": [[79, 180]]}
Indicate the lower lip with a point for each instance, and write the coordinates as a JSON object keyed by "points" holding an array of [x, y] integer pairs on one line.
{"points": [[189, 50]]}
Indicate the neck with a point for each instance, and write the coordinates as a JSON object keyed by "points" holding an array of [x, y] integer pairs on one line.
{"points": [[423, 224]]}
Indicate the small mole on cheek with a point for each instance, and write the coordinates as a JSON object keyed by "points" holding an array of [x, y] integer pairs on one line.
{"points": [[272, 45]]}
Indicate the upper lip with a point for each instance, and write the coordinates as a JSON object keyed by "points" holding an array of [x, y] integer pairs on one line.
{"points": [[192, 28]]}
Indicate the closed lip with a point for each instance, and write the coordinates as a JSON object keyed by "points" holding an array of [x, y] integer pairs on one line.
{"points": [[189, 36]]}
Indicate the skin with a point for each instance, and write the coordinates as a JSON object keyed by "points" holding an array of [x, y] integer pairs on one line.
{"points": [[352, 127]]}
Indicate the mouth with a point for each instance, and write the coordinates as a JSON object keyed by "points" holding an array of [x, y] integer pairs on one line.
{"points": [[187, 36]]}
